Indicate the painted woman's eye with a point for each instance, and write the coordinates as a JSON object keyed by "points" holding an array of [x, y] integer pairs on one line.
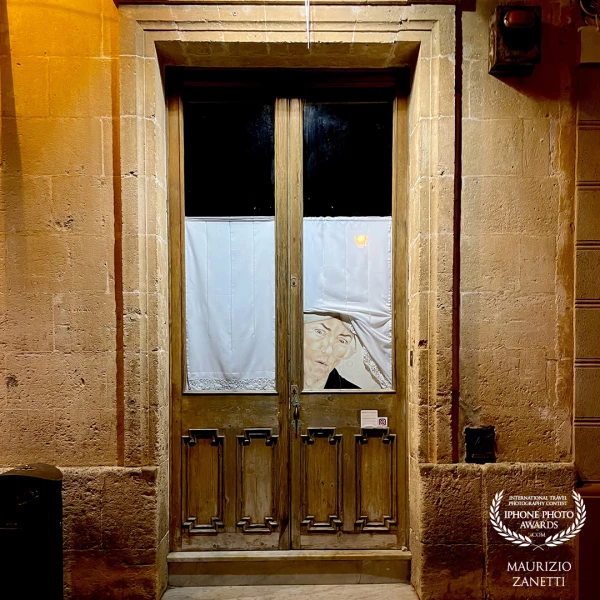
{"points": [[320, 331], [343, 341]]}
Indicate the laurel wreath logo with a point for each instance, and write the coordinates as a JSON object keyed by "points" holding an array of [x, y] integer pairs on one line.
{"points": [[501, 528], [523, 540], [572, 530]]}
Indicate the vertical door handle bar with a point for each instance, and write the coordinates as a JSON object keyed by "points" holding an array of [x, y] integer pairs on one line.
{"points": [[295, 403]]}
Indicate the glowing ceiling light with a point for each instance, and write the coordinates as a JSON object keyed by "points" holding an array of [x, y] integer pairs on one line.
{"points": [[361, 240]]}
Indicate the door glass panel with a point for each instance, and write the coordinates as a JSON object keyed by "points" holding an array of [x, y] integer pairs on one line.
{"points": [[347, 246], [347, 159], [229, 159], [229, 245]]}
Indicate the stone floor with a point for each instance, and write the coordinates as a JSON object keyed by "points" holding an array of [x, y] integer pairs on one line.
{"points": [[400, 591]]}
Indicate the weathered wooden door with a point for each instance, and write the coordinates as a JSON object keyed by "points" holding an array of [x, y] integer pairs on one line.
{"points": [[268, 451]]}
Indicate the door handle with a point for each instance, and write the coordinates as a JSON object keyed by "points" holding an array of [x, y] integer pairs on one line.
{"points": [[295, 403]]}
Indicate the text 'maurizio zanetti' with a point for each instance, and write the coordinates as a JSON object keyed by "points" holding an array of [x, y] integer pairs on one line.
{"points": [[524, 579]]}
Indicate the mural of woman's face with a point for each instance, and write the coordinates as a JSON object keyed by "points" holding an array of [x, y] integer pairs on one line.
{"points": [[326, 343]]}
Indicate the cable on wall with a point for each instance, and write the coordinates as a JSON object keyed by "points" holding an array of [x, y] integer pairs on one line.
{"points": [[458, 115], [307, 10]]}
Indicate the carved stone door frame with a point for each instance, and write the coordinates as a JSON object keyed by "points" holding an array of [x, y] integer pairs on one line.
{"points": [[382, 33]]}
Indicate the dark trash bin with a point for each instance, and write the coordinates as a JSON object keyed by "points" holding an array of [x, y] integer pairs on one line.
{"points": [[31, 553]]}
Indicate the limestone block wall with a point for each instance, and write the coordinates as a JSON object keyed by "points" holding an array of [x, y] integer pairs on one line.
{"points": [[517, 243], [517, 300], [62, 342], [57, 290]]}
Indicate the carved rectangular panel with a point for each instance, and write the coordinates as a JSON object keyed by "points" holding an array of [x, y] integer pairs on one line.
{"points": [[375, 481], [321, 468], [203, 492], [257, 483]]}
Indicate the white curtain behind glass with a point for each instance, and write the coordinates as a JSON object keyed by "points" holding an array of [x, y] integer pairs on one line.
{"points": [[230, 303], [341, 278], [230, 294]]}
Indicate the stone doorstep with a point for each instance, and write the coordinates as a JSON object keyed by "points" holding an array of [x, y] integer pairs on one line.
{"points": [[398, 591], [291, 567]]}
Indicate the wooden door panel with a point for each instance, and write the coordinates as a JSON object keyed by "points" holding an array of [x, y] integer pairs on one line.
{"points": [[330, 450], [252, 497], [375, 481], [321, 472], [257, 469], [203, 477], [348, 474]]}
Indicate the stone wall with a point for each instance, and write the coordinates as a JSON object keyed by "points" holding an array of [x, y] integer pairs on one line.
{"points": [[62, 394], [517, 242], [57, 228], [516, 336], [84, 275]]}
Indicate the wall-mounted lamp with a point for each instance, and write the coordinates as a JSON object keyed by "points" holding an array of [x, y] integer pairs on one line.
{"points": [[515, 40]]}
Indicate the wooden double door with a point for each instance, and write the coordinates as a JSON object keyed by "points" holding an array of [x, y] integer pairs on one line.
{"points": [[270, 459]]}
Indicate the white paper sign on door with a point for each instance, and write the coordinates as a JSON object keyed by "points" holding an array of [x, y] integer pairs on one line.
{"points": [[369, 418]]}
